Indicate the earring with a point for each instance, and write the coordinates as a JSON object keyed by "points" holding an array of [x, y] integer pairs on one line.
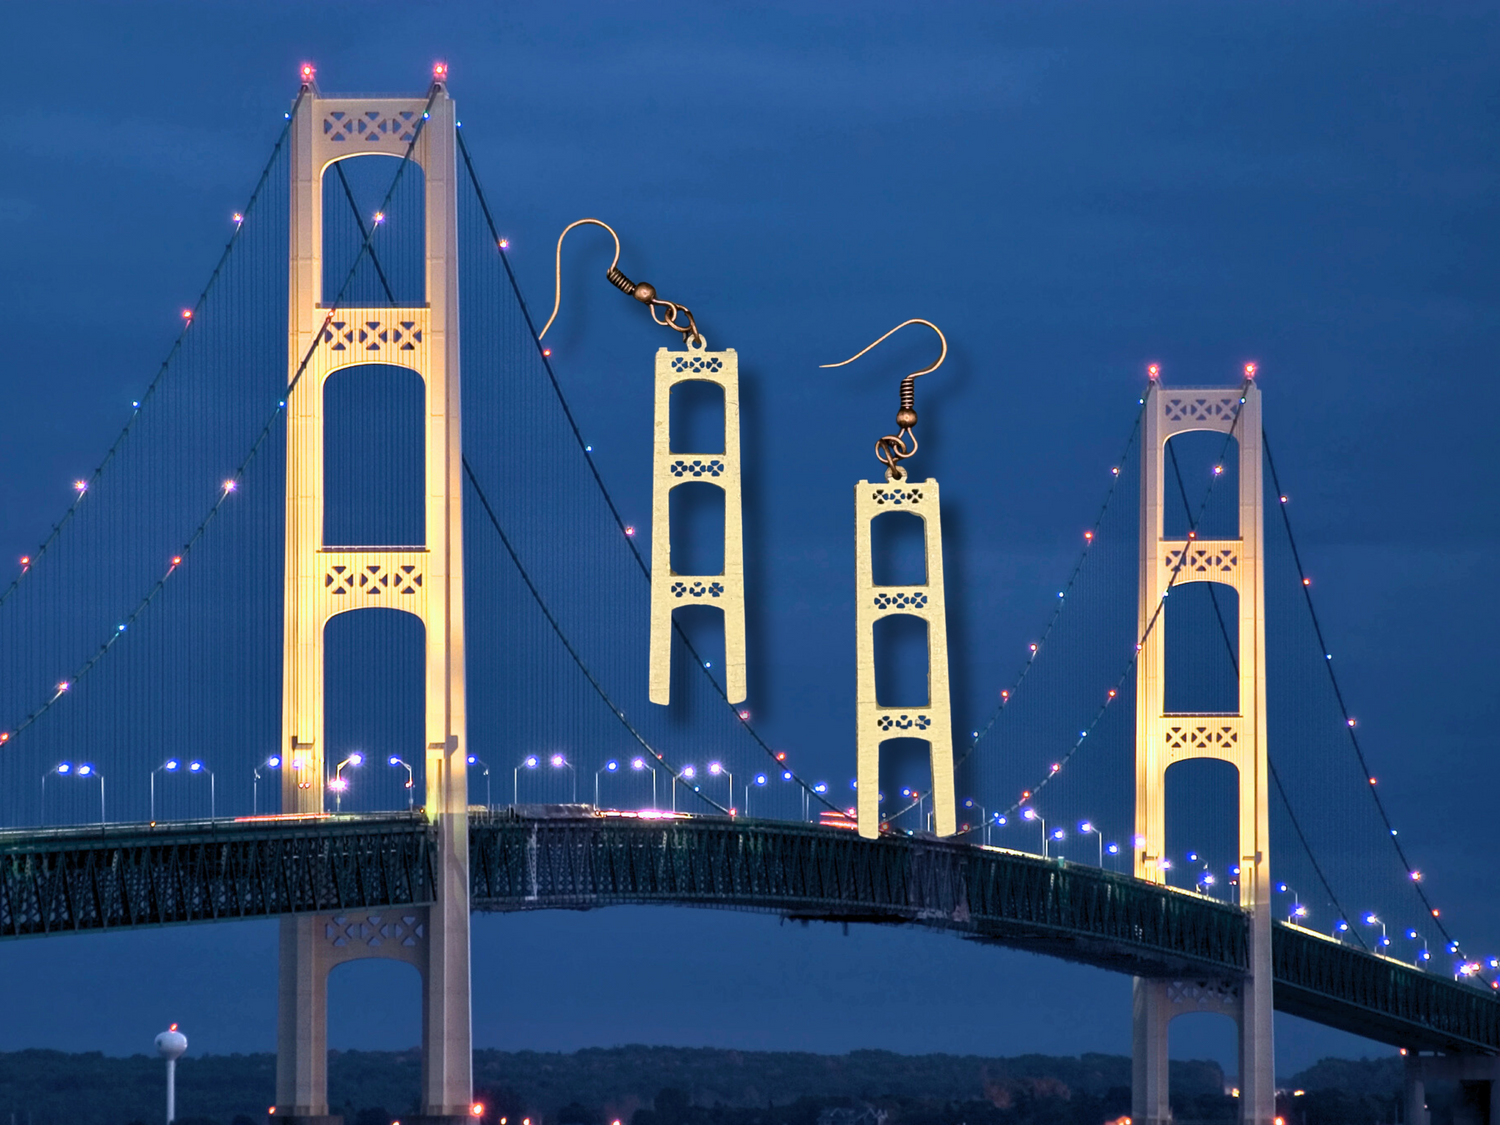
{"points": [[724, 591], [876, 723]]}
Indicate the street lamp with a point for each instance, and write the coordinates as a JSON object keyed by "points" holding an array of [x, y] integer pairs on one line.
{"points": [[473, 761], [1084, 828], [1032, 814], [196, 767], [411, 783], [1113, 850], [1371, 920], [527, 763], [1425, 955], [559, 762], [718, 770], [340, 782], [171, 765], [62, 769], [610, 766], [687, 774], [1291, 911], [984, 816], [271, 763], [86, 770], [917, 796], [760, 781], [638, 764], [821, 789]]}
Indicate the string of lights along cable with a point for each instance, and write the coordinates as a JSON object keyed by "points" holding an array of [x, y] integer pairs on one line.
{"points": [[147, 689]]}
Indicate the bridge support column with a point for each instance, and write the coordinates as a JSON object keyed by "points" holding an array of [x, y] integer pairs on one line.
{"points": [[1415, 1094], [1476, 1076], [302, 1027], [312, 946], [1149, 1083]]}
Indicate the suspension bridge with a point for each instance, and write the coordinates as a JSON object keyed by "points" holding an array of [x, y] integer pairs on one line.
{"points": [[462, 624]]}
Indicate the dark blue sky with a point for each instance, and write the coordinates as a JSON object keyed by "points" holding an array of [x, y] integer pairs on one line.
{"points": [[1071, 191]]}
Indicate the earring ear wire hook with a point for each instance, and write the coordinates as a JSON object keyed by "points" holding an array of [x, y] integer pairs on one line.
{"points": [[642, 291], [892, 449]]}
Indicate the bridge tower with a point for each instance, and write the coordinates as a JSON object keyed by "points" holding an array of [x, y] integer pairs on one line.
{"points": [[1163, 739], [426, 580]]}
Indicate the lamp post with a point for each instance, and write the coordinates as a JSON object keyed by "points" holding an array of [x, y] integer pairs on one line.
{"points": [[62, 769], [638, 764], [717, 770], [1113, 850], [759, 781], [473, 761], [559, 762], [1372, 920], [610, 766], [169, 766], [687, 774], [1424, 956], [271, 763], [821, 789], [1292, 912], [1032, 814], [411, 783], [87, 770], [196, 766], [340, 782], [916, 795], [527, 763], [984, 817], [1085, 828]]}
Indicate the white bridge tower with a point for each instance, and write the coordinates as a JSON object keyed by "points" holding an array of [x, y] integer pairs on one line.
{"points": [[1239, 738], [425, 580]]}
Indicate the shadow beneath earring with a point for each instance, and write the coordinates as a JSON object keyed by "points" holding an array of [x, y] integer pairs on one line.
{"points": [[694, 699], [759, 668], [961, 655]]}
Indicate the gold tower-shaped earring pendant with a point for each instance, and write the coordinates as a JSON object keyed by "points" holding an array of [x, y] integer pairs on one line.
{"points": [[724, 591], [878, 724]]}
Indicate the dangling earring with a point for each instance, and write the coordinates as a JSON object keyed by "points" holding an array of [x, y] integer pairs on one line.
{"points": [[724, 591], [878, 724]]}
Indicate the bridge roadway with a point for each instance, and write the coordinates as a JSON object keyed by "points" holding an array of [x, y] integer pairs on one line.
{"points": [[83, 879]]}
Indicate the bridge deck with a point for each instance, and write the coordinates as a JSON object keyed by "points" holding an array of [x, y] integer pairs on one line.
{"points": [[86, 879]]}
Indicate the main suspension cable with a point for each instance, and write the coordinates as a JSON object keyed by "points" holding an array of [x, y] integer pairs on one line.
{"points": [[741, 716], [229, 485], [1270, 762], [1008, 695], [1412, 873], [139, 405]]}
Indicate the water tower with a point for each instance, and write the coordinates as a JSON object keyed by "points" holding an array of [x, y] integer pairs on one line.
{"points": [[171, 1045]]}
